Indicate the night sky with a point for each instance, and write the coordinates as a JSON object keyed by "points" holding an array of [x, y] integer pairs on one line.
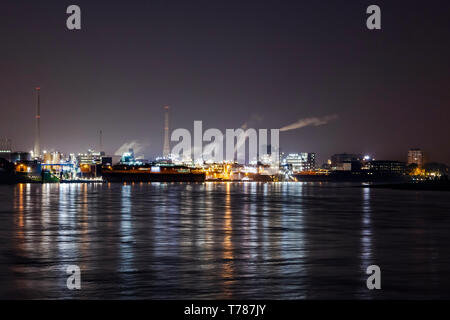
{"points": [[263, 63]]}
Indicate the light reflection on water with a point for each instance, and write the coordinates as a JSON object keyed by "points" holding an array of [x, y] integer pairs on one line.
{"points": [[222, 240]]}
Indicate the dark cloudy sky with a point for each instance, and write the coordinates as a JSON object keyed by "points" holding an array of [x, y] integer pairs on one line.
{"points": [[266, 63]]}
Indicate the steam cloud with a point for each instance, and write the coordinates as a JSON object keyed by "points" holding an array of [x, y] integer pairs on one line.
{"points": [[135, 145], [313, 121], [253, 121]]}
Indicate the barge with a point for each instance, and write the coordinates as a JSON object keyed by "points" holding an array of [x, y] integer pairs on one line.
{"points": [[149, 173]]}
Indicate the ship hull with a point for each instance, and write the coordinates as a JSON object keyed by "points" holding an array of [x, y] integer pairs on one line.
{"points": [[349, 177], [153, 177]]}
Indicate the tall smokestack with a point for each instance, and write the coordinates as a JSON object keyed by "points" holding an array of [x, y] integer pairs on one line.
{"points": [[166, 149], [37, 139], [101, 140]]}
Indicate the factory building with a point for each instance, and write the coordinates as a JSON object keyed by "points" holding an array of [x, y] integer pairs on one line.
{"points": [[299, 162], [386, 167]]}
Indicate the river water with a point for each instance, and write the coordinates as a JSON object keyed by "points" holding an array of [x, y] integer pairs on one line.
{"points": [[222, 241]]}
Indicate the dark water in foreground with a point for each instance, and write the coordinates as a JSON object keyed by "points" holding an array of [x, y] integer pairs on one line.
{"points": [[219, 240]]}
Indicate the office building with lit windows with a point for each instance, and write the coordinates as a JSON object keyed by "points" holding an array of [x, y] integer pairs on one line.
{"points": [[415, 156], [298, 162]]}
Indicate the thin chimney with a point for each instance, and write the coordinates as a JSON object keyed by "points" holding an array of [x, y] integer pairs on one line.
{"points": [[166, 149], [37, 141]]}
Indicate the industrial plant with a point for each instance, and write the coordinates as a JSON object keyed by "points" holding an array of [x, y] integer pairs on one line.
{"points": [[95, 166]]}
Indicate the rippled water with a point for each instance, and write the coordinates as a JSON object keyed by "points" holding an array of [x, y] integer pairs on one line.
{"points": [[222, 240]]}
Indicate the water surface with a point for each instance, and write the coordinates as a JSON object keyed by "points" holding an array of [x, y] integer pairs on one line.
{"points": [[222, 241]]}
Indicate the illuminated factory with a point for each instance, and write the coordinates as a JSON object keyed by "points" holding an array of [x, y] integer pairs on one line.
{"points": [[52, 166]]}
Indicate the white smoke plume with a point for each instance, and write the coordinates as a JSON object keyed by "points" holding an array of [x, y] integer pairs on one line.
{"points": [[313, 121], [135, 145], [254, 120]]}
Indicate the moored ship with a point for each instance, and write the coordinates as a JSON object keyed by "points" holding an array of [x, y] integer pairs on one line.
{"points": [[348, 176], [149, 173]]}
